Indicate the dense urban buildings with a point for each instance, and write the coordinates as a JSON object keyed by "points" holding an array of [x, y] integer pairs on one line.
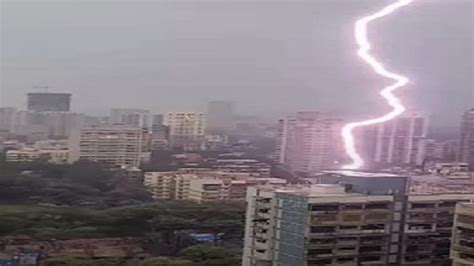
{"points": [[466, 145], [401, 141], [56, 156], [308, 141], [462, 248], [49, 102], [441, 151], [130, 117], [349, 218], [220, 115], [117, 145], [40, 125]]}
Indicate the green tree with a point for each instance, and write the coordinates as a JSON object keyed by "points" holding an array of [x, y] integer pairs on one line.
{"points": [[206, 255], [66, 261], [163, 261]]}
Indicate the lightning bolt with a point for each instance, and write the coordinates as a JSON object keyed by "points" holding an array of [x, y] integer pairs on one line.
{"points": [[360, 31]]}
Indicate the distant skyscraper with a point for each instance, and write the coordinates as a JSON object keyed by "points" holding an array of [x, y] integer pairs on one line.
{"points": [[157, 120], [115, 145], [61, 124], [308, 141], [466, 145], [220, 115], [49, 102], [130, 117], [7, 119], [397, 142], [160, 134], [185, 127]]}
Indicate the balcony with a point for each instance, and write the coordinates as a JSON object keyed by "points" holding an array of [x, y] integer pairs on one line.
{"points": [[326, 209], [320, 219], [320, 253], [419, 228], [323, 230], [322, 242], [372, 240], [347, 241], [464, 248], [346, 251]]}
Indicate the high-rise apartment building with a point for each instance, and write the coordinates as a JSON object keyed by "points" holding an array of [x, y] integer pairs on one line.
{"points": [[185, 127], [466, 144], [349, 218], [63, 124], [220, 115], [401, 141], [116, 145], [428, 228], [7, 119], [157, 120], [49, 102], [462, 248], [308, 141], [319, 225], [130, 117]]}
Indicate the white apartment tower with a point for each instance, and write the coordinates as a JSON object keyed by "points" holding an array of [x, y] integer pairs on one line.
{"points": [[7, 119], [220, 115], [400, 141], [307, 141], [185, 126], [115, 145]]}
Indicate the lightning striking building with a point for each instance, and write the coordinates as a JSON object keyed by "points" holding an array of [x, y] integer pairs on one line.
{"points": [[401, 141], [306, 141]]}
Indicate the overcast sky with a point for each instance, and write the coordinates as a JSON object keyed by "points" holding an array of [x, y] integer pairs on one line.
{"points": [[271, 57]]}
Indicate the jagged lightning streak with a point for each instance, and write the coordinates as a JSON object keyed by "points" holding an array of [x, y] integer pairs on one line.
{"points": [[363, 43]]}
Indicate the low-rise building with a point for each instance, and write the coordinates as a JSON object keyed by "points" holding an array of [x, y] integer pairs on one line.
{"points": [[462, 248], [242, 165], [203, 186], [57, 156]]}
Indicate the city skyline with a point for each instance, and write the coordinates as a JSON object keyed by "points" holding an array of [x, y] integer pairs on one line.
{"points": [[293, 60]]}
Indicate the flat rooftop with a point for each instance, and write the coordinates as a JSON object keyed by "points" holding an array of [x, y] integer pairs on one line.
{"points": [[314, 191], [361, 174]]}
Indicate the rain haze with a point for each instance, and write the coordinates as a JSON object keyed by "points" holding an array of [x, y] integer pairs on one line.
{"points": [[270, 57]]}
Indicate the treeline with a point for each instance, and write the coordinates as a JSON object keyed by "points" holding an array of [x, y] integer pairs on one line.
{"points": [[168, 217], [82, 183], [198, 255]]}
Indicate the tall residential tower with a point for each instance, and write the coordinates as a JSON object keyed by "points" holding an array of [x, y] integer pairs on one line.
{"points": [[308, 141], [466, 145]]}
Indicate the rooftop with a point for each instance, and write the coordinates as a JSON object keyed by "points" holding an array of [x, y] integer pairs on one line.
{"points": [[312, 191], [361, 174]]}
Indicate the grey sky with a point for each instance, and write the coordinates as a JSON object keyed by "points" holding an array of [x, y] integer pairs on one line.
{"points": [[271, 57]]}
